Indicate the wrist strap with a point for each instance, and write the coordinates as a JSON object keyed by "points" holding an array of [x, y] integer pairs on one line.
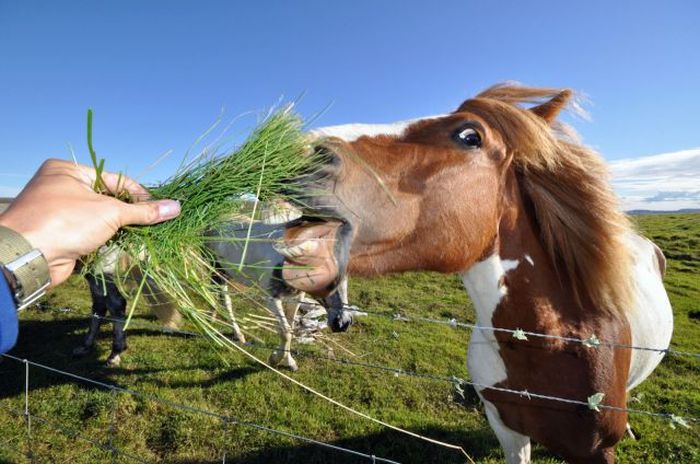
{"points": [[27, 264]]}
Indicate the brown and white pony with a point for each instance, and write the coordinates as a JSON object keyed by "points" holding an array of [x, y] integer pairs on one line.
{"points": [[507, 197]]}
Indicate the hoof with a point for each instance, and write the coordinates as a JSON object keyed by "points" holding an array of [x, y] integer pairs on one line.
{"points": [[289, 363], [275, 358], [113, 361], [341, 323], [82, 350], [238, 337], [283, 359]]}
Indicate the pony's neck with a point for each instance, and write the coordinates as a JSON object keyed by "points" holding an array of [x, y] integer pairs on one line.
{"points": [[516, 276]]}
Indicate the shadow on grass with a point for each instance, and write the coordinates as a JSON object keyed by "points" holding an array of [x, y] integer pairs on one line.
{"points": [[480, 443], [52, 342], [388, 444]]}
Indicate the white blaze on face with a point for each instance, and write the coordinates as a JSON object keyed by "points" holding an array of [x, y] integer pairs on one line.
{"points": [[352, 132]]}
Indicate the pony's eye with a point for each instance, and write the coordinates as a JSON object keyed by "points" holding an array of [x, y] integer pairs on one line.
{"points": [[468, 137]]}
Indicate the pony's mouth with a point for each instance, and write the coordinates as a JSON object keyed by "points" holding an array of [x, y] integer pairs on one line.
{"points": [[313, 260], [316, 246]]}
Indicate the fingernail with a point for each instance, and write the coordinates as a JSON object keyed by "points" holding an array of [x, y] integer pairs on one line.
{"points": [[168, 209]]}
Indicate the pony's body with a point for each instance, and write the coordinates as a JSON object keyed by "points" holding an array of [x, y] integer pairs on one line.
{"points": [[651, 317], [508, 198]]}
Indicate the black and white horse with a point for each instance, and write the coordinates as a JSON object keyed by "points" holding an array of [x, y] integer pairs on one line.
{"points": [[262, 259]]}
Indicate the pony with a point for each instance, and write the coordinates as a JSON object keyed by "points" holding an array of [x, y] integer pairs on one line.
{"points": [[262, 260], [502, 193]]}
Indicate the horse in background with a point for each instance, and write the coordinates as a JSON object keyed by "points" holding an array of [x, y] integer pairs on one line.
{"points": [[506, 196], [263, 258]]}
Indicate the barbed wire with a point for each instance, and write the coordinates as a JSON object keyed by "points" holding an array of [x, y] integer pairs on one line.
{"points": [[226, 419], [593, 402], [590, 402], [590, 342]]}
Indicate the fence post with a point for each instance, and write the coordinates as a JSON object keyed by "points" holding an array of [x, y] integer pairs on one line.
{"points": [[227, 423], [27, 416], [113, 425]]}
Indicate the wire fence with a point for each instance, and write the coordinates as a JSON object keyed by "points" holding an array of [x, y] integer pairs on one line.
{"points": [[109, 445], [590, 342], [594, 402]]}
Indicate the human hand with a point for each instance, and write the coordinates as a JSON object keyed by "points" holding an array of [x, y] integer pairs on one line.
{"points": [[59, 213]]}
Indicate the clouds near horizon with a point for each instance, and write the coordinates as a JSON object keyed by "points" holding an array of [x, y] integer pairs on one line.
{"points": [[668, 181]]}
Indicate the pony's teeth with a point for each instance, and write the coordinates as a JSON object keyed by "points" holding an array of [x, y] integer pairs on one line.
{"points": [[294, 251], [280, 213]]}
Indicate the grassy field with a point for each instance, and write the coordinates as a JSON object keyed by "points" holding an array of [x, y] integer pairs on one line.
{"points": [[185, 370]]}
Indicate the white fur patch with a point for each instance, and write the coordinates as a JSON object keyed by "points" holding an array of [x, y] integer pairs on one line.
{"points": [[529, 259], [352, 132], [509, 264], [486, 367], [516, 447], [651, 318], [483, 282]]}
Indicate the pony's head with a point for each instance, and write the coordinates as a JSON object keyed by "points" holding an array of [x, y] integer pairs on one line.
{"points": [[432, 193]]}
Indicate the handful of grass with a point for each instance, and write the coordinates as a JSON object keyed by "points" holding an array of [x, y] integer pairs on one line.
{"points": [[170, 261]]}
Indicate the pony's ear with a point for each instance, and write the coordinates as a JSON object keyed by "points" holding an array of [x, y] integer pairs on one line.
{"points": [[549, 110]]}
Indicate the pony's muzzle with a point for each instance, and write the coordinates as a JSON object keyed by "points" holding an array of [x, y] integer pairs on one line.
{"points": [[339, 320]]}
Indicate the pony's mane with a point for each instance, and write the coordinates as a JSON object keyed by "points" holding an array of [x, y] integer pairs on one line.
{"points": [[581, 225]]}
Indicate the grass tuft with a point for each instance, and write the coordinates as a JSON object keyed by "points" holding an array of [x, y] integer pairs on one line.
{"points": [[171, 259]]}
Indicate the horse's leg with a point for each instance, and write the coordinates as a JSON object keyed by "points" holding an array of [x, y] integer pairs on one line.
{"points": [[516, 447], [99, 310], [281, 356], [291, 307], [116, 303], [343, 290], [226, 298]]}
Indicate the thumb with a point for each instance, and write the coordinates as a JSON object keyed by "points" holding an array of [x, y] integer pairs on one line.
{"points": [[148, 212]]}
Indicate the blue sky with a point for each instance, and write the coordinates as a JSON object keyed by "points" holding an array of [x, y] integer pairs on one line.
{"points": [[157, 73]]}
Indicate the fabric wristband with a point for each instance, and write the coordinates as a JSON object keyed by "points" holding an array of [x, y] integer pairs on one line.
{"points": [[27, 265]]}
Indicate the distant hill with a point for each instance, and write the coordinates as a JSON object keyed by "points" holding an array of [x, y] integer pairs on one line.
{"points": [[641, 212]]}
